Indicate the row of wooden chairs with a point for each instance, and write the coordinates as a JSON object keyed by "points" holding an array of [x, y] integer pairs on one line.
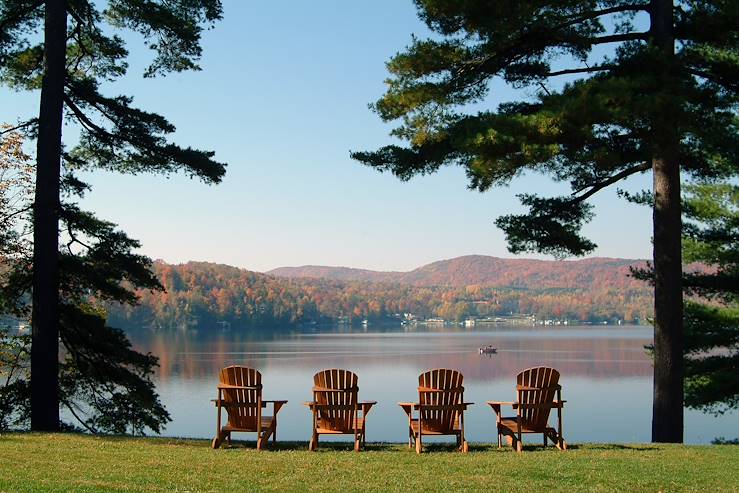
{"points": [[336, 407]]}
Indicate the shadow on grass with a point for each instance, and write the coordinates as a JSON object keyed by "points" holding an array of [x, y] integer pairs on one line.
{"points": [[612, 446], [348, 446], [294, 446]]}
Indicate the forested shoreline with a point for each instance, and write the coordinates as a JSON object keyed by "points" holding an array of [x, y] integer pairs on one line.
{"points": [[208, 295]]}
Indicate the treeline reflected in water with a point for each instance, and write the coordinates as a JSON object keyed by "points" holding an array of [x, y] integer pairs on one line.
{"points": [[592, 352]]}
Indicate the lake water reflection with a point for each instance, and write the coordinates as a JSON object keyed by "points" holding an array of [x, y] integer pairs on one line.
{"points": [[606, 375]]}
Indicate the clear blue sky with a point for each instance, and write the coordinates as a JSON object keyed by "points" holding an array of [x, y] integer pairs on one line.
{"points": [[282, 99]]}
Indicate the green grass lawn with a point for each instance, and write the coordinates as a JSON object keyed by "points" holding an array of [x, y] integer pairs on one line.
{"points": [[70, 462]]}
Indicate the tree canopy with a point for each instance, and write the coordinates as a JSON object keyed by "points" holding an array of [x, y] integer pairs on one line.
{"points": [[114, 134], [592, 130]]}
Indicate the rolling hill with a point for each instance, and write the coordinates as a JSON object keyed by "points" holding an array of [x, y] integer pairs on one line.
{"points": [[489, 271]]}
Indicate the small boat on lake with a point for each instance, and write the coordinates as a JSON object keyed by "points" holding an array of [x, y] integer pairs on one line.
{"points": [[488, 350]]}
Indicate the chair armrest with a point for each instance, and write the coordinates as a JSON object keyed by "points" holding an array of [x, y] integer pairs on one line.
{"points": [[310, 404], [407, 407], [276, 404], [366, 406], [496, 405]]}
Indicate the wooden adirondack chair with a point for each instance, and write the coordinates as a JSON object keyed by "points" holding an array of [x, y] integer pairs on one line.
{"points": [[440, 408], [336, 408], [240, 394], [535, 392]]}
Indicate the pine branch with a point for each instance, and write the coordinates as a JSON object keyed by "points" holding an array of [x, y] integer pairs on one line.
{"points": [[596, 187], [8, 217], [85, 121], [725, 82], [481, 67], [25, 124], [618, 38], [599, 13], [80, 420], [582, 70]]}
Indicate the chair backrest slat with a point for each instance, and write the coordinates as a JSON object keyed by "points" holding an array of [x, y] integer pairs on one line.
{"points": [[337, 410], [537, 386], [244, 404], [449, 382]]}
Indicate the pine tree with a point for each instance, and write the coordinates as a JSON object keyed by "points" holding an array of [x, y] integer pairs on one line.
{"points": [[711, 238], [104, 384], [78, 51], [662, 98]]}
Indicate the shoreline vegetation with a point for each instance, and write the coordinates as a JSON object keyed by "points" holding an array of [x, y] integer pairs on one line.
{"points": [[64, 462], [479, 288]]}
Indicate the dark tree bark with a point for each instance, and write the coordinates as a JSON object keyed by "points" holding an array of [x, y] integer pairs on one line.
{"points": [[45, 313], [667, 408]]}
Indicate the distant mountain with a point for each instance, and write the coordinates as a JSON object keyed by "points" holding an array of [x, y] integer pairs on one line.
{"points": [[490, 271], [336, 273]]}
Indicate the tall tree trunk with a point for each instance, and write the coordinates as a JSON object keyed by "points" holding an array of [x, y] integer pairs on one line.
{"points": [[45, 314], [667, 409]]}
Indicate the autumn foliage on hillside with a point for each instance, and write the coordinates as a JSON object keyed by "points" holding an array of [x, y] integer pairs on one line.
{"points": [[206, 294], [492, 271]]}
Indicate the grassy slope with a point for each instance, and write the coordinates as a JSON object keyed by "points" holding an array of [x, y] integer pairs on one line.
{"points": [[39, 462]]}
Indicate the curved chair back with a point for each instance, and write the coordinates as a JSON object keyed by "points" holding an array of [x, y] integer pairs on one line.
{"points": [[242, 405], [440, 397], [536, 389], [335, 393]]}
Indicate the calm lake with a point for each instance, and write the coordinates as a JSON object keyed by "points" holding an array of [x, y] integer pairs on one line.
{"points": [[606, 376]]}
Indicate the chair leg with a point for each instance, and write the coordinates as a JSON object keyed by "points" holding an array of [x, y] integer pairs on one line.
{"points": [[419, 445], [313, 445], [228, 438], [263, 440], [560, 443], [556, 439], [217, 441], [520, 439], [514, 442]]}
